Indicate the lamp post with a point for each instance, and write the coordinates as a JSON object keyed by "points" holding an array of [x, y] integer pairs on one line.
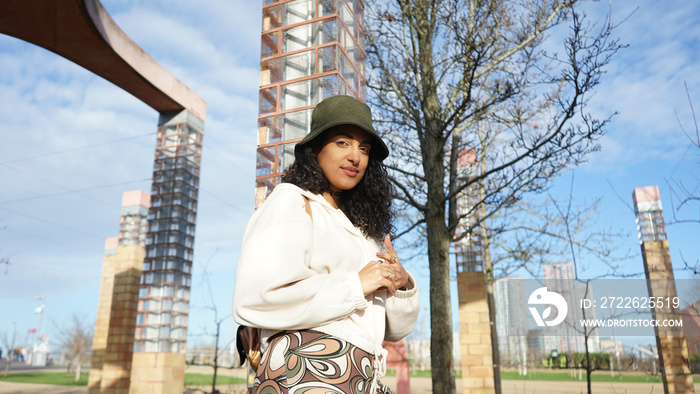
{"points": [[40, 310]]}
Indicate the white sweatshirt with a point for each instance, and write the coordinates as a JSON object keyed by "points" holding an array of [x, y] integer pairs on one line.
{"points": [[298, 273]]}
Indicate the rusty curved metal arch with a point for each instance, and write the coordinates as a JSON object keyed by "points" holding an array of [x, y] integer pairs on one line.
{"points": [[83, 32]]}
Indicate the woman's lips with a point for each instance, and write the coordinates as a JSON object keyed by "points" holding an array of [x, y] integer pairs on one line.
{"points": [[350, 171]]}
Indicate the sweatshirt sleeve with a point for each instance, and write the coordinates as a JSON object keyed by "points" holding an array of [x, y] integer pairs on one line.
{"points": [[275, 288], [402, 312]]}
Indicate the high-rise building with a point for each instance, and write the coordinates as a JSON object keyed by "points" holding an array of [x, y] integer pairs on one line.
{"points": [[557, 273], [511, 320], [311, 50], [167, 267], [560, 277]]}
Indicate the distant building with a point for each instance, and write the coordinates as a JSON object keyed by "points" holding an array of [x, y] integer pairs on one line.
{"points": [[560, 277], [511, 320], [419, 352], [609, 345], [538, 345]]}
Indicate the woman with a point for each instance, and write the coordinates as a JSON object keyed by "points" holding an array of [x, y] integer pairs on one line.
{"points": [[312, 274]]}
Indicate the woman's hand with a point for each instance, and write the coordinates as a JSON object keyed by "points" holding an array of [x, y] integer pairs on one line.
{"points": [[389, 274], [376, 275], [392, 259]]}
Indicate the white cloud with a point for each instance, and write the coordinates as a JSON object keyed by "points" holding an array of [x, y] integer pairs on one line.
{"points": [[645, 83]]}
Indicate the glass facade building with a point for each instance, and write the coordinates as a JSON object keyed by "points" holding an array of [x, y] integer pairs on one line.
{"points": [[164, 293], [468, 249], [649, 211], [133, 224], [311, 50]]}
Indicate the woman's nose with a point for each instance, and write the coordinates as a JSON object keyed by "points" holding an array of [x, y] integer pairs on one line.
{"points": [[354, 154]]}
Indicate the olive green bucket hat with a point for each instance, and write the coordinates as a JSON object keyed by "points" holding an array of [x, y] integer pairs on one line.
{"points": [[341, 110]]}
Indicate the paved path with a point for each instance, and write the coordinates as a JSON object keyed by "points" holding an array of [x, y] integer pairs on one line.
{"points": [[418, 386], [28, 388]]}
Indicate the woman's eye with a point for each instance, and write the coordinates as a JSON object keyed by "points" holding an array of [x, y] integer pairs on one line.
{"points": [[364, 150]]}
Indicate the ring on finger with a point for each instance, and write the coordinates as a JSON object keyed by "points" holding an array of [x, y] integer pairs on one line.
{"points": [[388, 274], [394, 259]]}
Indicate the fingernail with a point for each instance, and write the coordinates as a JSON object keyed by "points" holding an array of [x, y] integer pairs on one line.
{"points": [[379, 254]]}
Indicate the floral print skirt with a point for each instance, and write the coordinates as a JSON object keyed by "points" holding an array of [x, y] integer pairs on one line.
{"points": [[309, 362]]}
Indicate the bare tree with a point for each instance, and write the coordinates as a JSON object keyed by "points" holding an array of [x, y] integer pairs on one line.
{"points": [[211, 305], [532, 233], [10, 343], [682, 193], [5, 260], [597, 245], [76, 341], [442, 68], [685, 194]]}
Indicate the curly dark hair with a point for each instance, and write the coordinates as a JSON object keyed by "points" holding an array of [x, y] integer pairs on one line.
{"points": [[367, 205]]}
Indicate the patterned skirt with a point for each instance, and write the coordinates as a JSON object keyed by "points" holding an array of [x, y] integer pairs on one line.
{"points": [[313, 362]]}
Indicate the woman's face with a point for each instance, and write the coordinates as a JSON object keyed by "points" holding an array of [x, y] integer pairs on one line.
{"points": [[343, 156]]}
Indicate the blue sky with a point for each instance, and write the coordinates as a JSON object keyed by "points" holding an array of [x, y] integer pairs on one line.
{"points": [[56, 209]]}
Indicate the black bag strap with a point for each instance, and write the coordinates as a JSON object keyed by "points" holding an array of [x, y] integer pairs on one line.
{"points": [[307, 207]]}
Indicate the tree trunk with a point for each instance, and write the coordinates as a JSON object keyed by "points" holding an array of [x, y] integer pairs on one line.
{"points": [[442, 364], [488, 277], [216, 358], [589, 367], [439, 241], [77, 370]]}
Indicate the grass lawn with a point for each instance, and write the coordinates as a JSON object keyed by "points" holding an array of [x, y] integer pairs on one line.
{"points": [[561, 376], [61, 378], [196, 379]]}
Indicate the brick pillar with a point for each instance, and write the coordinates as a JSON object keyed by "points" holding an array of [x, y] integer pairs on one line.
{"points": [[158, 373], [475, 334], [104, 304], [670, 341], [113, 339]]}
